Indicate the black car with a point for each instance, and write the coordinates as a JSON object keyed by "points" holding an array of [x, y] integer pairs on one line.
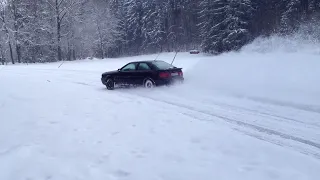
{"points": [[143, 73]]}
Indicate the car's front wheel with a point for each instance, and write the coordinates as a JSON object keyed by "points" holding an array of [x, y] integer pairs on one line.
{"points": [[148, 83], [110, 84]]}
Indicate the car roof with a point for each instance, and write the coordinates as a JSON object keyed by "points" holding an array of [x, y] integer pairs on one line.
{"points": [[146, 61]]}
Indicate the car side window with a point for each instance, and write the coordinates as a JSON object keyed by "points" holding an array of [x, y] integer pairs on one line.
{"points": [[143, 67], [129, 67]]}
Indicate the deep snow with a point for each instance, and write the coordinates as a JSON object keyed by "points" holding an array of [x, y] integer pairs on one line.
{"points": [[247, 115]]}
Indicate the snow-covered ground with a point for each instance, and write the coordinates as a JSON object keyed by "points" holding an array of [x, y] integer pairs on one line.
{"points": [[248, 116]]}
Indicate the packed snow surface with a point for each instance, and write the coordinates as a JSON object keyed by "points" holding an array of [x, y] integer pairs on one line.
{"points": [[248, 116]]}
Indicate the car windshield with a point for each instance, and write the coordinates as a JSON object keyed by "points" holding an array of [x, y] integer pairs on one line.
{"points": [[162, 65]]}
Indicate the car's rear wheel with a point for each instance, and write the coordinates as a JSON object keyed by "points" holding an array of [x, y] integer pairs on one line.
{"points": [[110, 84], [148, 83]]}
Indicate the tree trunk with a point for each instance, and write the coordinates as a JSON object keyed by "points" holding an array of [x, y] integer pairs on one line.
{"points": [[18, 49], [2, 57], [74, 53], [101, 41], [58, 32], [11, 53], [69, 52], [59, 41], [16, 28], [3, 18], [307, 10], [33, 55]]}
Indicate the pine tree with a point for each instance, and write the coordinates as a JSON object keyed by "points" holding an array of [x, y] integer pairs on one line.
{"points": [[135, 15], [189, 15], [18, 12], [48, 30], [314, 6], [238, 19], [205, 24], [120, 11], [39, 44], [158, 35], [213, 25], [152, 26], [4, 20], [291, 17]]}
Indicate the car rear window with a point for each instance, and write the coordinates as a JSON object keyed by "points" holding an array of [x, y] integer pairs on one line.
{"points": [[162, 65]]}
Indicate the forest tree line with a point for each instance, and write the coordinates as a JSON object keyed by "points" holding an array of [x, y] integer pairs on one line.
{"points": [[55, 30]]}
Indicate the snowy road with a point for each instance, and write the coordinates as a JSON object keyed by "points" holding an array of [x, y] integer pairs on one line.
{"points": [[61, 123]]}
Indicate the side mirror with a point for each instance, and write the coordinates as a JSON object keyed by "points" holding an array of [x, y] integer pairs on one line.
{"points": [[119, 70]]}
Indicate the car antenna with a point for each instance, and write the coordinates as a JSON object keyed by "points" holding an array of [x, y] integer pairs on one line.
{"points": [[157, 56], [174, 57], [61, 64]]}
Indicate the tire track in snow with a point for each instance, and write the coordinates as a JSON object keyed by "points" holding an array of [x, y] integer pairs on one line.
{"points": [[278, 117], [230, 120], [259, 129], [310, 108], [279, 143], [238, 123], [274, 116], [264, 130]]}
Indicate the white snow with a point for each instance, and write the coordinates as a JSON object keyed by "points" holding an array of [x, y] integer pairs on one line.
{"points": [[248, 115]]}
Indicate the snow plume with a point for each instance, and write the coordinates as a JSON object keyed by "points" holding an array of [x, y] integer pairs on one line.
{"points": [[305, 40], [281, 44], [277, 69]]}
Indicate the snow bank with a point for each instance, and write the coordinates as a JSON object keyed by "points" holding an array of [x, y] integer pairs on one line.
{"points": [[278, 70]]}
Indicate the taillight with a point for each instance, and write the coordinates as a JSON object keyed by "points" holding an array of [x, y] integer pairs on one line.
{"points": [[164, 75], [180, 74]]}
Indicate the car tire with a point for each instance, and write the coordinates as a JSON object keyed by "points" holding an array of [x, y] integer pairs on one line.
{"points": [[148, 84], [110, 84]]}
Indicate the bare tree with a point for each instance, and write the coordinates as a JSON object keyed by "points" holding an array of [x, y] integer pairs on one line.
{"points": [[62, 8], [2, 57], [16, 10], [5, 27], [106, 27]]}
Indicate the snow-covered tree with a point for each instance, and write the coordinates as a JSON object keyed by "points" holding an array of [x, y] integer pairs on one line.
{"points": [[314, 6], [190, 20], [292, 16], [2, 56], [213, 25], [16, 11], [62, 9], [225, 24], [38, 42], [206, 23], [239, 16], [152, 26], [135, 23], [5, 27], [103, 27], [50, 30], [2, 49]]}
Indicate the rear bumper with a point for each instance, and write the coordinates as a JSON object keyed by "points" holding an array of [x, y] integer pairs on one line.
{"points": [[170, 81]]}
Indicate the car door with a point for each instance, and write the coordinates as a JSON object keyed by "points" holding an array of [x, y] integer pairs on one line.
{"points": [[126, 74], [143, 71]]}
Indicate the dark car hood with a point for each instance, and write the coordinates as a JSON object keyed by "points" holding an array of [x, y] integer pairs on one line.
{"points": [[110, 73]]}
